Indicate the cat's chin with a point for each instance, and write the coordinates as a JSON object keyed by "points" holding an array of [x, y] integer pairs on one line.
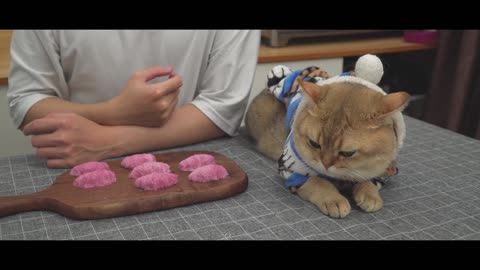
{"points": [[343, 173], [346, 174], [334, 172]]}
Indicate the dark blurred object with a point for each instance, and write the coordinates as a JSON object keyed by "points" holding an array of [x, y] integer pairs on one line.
{"points": [[421, 36], [406, 71], [281, 38], [453, 99]]}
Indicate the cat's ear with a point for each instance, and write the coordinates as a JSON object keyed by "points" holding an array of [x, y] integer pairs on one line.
{"points": [[394, 102], [387, 105], [315, 92]]}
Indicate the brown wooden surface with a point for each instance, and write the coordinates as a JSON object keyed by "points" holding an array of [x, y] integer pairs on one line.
{"points": [[123, 198], [5, 38], [338, 49]]}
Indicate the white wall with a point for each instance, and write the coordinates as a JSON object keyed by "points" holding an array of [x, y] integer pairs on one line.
{"points": [[12, 141]]}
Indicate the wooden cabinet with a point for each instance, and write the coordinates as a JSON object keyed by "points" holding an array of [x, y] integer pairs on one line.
{"points": [[5, 38]]}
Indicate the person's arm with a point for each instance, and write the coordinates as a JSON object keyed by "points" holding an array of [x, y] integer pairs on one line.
{"points": [[188, 125], [138, 104], [35, 72], [37, 87], [217, 110], [67, 139]]}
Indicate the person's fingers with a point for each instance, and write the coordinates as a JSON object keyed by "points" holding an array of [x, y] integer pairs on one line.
{"points": [[50, 152], [46, 140], [165, 103], [171, 96], [57, 163], [173, 105], [164, 88], [42, 126], [153, 72]]}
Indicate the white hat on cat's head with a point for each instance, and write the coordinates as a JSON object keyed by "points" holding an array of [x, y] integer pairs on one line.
{"points": [[370, 68]]}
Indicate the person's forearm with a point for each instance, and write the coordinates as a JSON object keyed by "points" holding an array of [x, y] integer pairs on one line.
{"points": [[187, 125], [101, 113]]}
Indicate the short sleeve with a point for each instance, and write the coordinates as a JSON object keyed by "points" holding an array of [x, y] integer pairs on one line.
{"points": [[225, 87], [35, 71]]}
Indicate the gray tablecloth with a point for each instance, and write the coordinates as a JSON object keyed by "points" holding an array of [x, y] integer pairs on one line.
{"points": [[435, 196]]}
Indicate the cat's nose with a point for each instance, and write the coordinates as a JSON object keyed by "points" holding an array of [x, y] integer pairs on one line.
{"points": [[328, 163]]}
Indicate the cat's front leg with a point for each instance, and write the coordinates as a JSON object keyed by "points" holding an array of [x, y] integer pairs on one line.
{"points": [[367, 196], [325, 196]]}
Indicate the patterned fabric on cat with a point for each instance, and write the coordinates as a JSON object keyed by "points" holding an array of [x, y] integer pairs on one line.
{"points": [[281, 82], [286, 88]]}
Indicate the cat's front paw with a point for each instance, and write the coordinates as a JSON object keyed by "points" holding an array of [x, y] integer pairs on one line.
{"points": [[325, 196], [335, 206], [367, 197]]}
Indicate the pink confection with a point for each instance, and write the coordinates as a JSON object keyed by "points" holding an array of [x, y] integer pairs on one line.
{"points": [[89, 167], [421, 36], [98, 178], [148, 168], [133, 161], [196, 161], [156, 181], [208, 173]]}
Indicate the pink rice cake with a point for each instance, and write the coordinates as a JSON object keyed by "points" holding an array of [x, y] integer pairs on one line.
{"points": [[156, 181], [93, 179], [148, 168], [133, 161], [89, 167], [196, 161], [208, 173]]}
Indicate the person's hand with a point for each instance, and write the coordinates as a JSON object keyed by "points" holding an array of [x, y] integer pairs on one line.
{"points": [[149, 105], [68, 139]]}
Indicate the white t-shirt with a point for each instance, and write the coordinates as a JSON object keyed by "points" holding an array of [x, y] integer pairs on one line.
{"points": [[90, 66]]}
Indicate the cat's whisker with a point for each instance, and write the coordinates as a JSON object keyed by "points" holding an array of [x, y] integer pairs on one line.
{"points": [[360, 177], [350, 175]]}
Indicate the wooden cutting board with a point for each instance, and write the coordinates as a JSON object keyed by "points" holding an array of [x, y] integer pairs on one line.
{"points": [[123, 198]]}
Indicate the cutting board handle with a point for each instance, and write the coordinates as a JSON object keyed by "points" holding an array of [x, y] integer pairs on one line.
{"points": [[22, 203]]}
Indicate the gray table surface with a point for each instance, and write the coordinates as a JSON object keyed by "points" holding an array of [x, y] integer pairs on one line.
{"points": [[435, 196]]}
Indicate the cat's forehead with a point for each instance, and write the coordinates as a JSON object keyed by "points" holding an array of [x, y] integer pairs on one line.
{"points": [[349, 106], [346, 87], [345, 106], [345, 80], [345, 97]]}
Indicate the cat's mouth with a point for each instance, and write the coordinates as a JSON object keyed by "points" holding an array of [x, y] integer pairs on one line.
{"points": [[346, 174]]}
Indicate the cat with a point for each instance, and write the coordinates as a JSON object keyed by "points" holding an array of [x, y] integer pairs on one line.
{"points": [[342, 134]]}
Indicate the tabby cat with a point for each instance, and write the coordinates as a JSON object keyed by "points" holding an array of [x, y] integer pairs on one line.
{"points": [[329, 135]]}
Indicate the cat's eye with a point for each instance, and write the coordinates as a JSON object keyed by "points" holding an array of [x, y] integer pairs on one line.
{"points": [[314, 144], [346, 153]]}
